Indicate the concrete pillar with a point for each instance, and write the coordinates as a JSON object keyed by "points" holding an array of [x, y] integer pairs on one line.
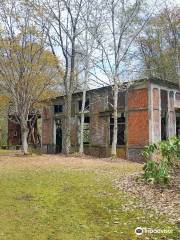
{"points": [[156, 114], [171, 128]]}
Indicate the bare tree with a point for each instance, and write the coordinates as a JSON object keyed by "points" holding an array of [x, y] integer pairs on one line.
{"points": [[62, 21], [119, 28], [87, 42], [27, 69], [172, 15], [159, 45]]}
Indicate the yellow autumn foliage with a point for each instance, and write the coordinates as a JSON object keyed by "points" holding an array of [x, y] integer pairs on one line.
{"points": [[28, 69]]}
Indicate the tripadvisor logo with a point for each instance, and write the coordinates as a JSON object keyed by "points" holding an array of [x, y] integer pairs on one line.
{"points": [[139, 231]]}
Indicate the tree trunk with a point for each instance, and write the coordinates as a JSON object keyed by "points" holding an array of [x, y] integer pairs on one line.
{"points": [[81, 147], [67, 135], [68, 100], [114, 142], [24, 137]]}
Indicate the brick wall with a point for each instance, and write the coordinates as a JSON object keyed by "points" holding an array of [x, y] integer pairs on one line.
{"points": [[98, 125], [98, 128], [14, 133], [138, 128], [47, 126], [138, 98], [138, 122]]}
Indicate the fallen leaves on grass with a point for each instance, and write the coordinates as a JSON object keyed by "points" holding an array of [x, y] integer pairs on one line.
{"points": [[161, 200]]}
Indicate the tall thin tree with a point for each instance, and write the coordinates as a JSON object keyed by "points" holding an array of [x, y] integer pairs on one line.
{"points": [[119, 28], [61, 19]]}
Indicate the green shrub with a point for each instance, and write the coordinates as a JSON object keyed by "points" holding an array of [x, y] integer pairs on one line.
{"points": [[170, 150], [155, 172], [159, 171], [149, 150]]}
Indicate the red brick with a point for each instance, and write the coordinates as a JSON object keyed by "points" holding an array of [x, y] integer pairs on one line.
{"points": [[47, 126], [138, 98], [138, 128]]}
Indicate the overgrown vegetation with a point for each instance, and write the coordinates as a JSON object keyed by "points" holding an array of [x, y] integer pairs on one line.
{"points": [[163, 158]]}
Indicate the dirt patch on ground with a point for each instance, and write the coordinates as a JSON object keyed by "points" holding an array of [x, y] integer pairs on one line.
{"points": [[161, 200]]}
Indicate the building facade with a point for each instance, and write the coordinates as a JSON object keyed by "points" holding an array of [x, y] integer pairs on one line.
{"points": [[149, 111], [14, 132]]}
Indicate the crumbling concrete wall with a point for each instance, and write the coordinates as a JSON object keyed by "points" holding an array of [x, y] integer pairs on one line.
{"points": [[156, 111], [158, 106]]}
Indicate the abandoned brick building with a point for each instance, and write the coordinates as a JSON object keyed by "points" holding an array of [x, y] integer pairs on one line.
{"points": [[148, 111], [14, 132]]}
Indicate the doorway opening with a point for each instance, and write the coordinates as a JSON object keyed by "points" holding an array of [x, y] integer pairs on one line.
{"points": [[164, 125], [58, 136], [178, 123], [164, 111]]}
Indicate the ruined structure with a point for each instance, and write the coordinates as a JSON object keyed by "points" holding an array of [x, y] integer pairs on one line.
{"points": [[148, 111], [14, 132]]}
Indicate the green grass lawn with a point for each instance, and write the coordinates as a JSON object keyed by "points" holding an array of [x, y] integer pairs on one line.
{"points": [[63, 201], [6, 151]]}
